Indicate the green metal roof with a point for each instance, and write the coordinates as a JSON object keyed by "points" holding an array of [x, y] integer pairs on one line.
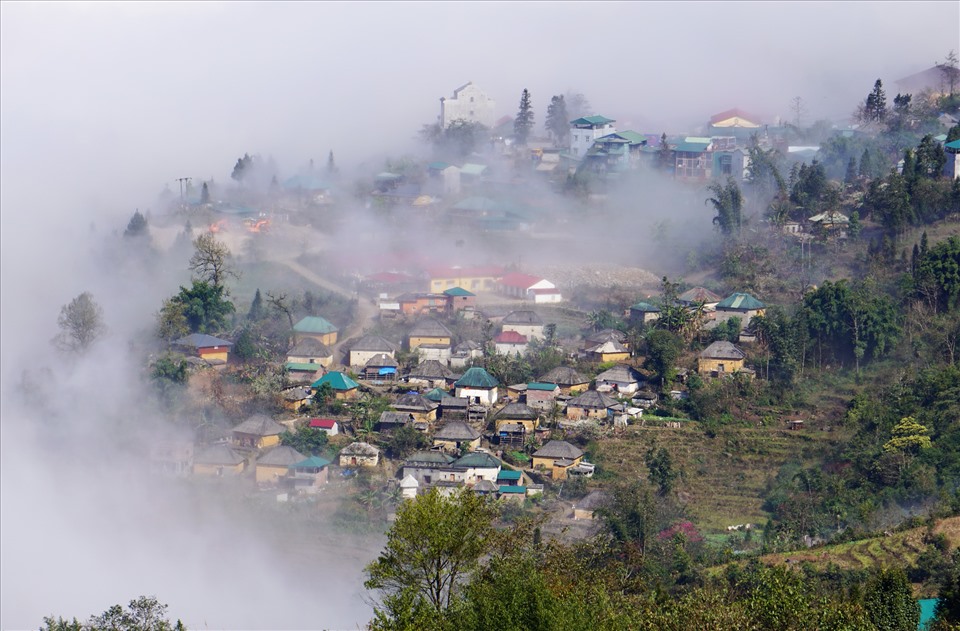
{"points": [[536, 385], [953, 145], [513, 490], [645, 307], [745, 302], [477, 377], [302, 366], [314, 324], [477, 460], [458, 291], [438, 166], [635, 138], [692, 147], [337, 380], [313, 462], [592, 120], [506, 474], [435, 395]]}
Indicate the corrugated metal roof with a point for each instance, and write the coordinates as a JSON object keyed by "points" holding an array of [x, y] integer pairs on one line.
{"points": [[746, 302], [314, 324], [592, 120], [337, 380]]}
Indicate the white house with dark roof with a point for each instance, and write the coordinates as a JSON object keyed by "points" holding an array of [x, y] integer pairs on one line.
{"points": [[369, 346]]}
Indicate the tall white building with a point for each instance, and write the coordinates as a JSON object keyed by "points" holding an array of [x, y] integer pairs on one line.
{"points": [[469, 103], [584, 131]]}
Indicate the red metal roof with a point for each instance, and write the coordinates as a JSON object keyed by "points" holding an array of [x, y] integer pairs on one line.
{"points": [[511, 337], [522, 281], [322, 423]]}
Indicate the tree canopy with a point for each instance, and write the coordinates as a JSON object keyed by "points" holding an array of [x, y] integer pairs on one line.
{"points": [[81, 323]]}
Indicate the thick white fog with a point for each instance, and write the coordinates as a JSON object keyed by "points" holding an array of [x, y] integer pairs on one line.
{"points": [[104, 104]]}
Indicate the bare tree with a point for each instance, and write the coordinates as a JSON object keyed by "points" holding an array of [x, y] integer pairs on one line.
{"points": [[81, 323], [279, 302], [211, 261]]}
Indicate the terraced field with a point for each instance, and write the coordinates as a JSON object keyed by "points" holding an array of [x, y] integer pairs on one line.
{"points": [[723, 479], [899, 548]]}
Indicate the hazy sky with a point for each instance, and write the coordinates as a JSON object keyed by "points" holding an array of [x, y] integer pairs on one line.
{"points": [[127, 95], [102, 104]]}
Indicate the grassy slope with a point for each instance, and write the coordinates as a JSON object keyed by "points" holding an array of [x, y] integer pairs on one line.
{"points": [[898, 548], [723, 479]]}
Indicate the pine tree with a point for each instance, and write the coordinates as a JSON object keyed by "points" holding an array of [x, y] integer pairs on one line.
{"points": [[876, 107], [331, 165], [137, 226], [558, 122], [256, 307], [204, 194], [524, 121], [665, 156], [866, 164], [851, 175]]}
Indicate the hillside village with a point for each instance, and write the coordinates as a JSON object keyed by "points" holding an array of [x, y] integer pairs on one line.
{"points": [[496, 326]]}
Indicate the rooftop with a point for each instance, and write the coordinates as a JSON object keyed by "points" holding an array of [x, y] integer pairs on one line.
{"points": [[744, 302], [314, 324], [477, 377], [558, 449]]}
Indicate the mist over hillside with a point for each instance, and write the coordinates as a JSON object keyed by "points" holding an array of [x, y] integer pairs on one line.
{"points": [[104, 105]]}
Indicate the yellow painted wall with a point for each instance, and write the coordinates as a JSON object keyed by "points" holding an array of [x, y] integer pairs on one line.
{"points": [[326, 338], [210, 469], [557, 473], [425, 416], [528, 425], [470, 283], [575, 413], [345, 395], [260, 442], [612, 357], [449, 445], [267, 473], [417, 341], [706, 366]]}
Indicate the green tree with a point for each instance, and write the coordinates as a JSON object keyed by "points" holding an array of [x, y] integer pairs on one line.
{"points": [[331, 165], [850, 177], [908, 439], [727, 201], [405, 440], [660, 467], [665, 155], [889, 602], [663, 350], [211, 261], [257, 311], [523, 123], [930, 158], [434, 545], [137, 226], [558, 121], [81, 323], [205, 194], [875, 108], [242, 169], [311, 441], [200, 309], [141, 614]]}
